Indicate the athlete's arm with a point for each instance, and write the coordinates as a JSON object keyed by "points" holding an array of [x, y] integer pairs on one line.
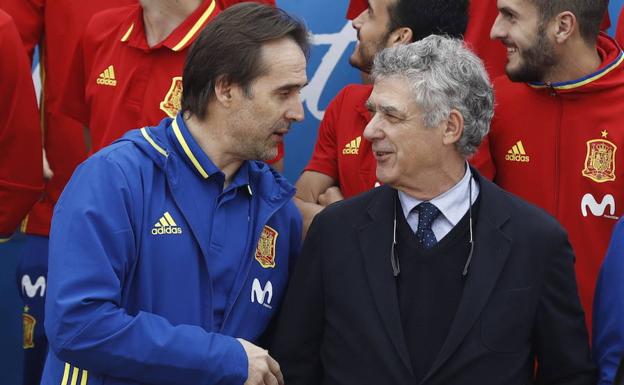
{"points": [[310, 186]]}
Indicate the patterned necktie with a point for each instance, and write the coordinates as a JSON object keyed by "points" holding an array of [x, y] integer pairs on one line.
{"points": [[427, 213]]}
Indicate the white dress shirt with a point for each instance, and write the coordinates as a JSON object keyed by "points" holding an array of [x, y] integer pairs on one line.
{"points": [[453, 205]]}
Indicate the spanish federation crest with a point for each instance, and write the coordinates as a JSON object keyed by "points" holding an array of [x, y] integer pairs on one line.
{"points": [[172, 103], [600, 160], [28, 324], [265, 252]]}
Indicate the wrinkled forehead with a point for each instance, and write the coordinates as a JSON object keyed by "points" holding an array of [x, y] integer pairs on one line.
{"points": [[392, 91]]}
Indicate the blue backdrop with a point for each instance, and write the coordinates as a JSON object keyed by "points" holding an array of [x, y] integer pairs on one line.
{"points": [[333, 39]]}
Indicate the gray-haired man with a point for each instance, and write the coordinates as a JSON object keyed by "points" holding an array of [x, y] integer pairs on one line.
{"points": [[437, 277]]}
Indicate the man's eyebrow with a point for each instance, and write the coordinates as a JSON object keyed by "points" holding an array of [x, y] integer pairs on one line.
{"points": [[390, 110], [507, 11], [291, 86]]}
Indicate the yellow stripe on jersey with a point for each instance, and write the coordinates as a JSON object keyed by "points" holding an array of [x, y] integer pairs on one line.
{"points": [[65, 374], [75, 373], [196, 27], [187, 150], [85, 377], [151, 141], [127, 34]]}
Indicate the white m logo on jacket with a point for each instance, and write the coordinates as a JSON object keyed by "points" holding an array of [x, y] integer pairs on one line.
{"points": [[31, 289], [597, 209], [261, 295]]}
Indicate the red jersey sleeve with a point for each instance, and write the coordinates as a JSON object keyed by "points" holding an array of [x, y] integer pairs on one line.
{"points": [[606, 22], [28, 16], [73, 103], [324, 158], [21, 172], [355, 8]]}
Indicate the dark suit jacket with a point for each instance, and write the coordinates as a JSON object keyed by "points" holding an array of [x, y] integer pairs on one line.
{"points": [[340, 322]]}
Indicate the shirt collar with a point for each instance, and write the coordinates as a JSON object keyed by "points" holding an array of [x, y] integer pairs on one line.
{"points": [[181, 37], [190, 150], [451, 203]]}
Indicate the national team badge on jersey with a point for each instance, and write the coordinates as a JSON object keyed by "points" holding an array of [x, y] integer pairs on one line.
{"points": [[172, 102], [600, 160], [28, 324], [265, 252]]}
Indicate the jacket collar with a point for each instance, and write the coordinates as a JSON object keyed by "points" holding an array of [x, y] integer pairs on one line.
{"points": [[133, 28], [612, 58], [491, 249]]}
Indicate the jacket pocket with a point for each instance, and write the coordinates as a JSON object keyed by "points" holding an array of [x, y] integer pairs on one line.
{"points": [[507, 322]]}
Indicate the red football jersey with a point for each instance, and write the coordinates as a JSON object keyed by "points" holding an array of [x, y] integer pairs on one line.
{"points": [[21, 171], [482, 15], [559, 147], [341, 151], [121, 82], [57, 28]]}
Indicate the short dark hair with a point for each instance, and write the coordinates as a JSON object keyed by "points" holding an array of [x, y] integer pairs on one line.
{"points": [[229, 49], [589, 14], [427, 17]]}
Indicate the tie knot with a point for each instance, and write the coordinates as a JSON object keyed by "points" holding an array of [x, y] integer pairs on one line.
{"points": [[427, 213]]}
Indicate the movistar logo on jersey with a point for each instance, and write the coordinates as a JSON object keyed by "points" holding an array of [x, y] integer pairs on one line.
{"points": [[166, 226], [517, 154]]}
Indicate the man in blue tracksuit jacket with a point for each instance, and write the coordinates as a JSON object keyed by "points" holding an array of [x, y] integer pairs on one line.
{"points": [[170, 249]]}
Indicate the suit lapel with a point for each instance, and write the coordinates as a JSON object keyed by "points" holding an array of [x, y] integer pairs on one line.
{"points": [[376, 241], [491, 249]]}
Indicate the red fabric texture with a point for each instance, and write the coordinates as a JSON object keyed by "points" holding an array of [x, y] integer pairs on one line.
{"points": [[558, 148], [58, 28], [21, 171], [341, 151]]}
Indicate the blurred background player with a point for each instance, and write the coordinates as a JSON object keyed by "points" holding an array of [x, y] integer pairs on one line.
{"points": [[56, 27], [21, 171], [342, 163], [481, 15], [558, 122], [130, 60], [160, 238]]}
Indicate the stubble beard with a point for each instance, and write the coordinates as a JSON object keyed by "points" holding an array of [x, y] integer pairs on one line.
{"points": [[536, 61]]}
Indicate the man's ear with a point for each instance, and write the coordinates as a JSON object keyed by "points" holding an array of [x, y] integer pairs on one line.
{"points": [[401, 35], [564, 26], [453, 127], [223, 91]]}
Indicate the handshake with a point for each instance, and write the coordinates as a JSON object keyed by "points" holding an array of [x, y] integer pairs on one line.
{"points": [[263, 369]]}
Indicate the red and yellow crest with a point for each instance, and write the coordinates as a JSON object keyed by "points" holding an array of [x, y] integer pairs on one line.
{"points": [[29, 330], [600, 160], [265, 252], [172, 102]]}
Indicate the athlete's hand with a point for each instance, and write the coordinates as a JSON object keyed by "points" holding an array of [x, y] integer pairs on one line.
{"points": [[47, 171], [263, 370], [331, 195]]}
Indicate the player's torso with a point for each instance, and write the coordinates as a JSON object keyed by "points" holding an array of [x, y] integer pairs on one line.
{"points": [[356, 163], [129, 88], [563, 153]]}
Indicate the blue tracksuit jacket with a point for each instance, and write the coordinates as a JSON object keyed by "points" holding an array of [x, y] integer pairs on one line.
{"points": [[130, 296]]}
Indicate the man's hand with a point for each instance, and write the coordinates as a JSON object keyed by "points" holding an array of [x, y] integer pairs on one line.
{"points": [[331, 195], [47, 171], [263, 370]]}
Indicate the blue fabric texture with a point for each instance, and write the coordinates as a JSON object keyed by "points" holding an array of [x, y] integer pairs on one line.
{"points": [[131, 297], [608, 317]]}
